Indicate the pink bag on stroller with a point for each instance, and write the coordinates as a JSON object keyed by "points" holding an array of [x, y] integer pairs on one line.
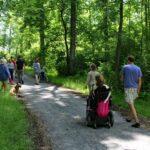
{"points": [[103, 108]]}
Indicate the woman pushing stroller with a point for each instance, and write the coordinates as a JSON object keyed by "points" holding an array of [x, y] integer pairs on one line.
{"points": [[98, 105]]}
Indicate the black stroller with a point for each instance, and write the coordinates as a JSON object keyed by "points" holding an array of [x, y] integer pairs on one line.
{"points": [[43, 75], [99, 98]]}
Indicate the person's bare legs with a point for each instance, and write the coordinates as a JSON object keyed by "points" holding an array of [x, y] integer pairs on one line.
{"points": [[4, 86], [37, 79], [133, 112], [130, 116]]}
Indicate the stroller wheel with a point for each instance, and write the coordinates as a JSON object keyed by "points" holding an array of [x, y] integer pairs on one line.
{"points": [[108, 125], [95, 125], [111, 118], [88, 124], [88, 120]]}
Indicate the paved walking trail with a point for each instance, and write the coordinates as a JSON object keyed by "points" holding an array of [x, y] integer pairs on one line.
{"points": [[63, 114]]}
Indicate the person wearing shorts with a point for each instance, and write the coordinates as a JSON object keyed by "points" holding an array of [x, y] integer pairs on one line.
{"points": [[131, 76], [91, 82]]}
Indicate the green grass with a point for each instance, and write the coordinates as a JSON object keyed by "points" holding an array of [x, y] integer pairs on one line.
{"points": [[142, 104], [29, 71], [78, 82], [14, 125]]}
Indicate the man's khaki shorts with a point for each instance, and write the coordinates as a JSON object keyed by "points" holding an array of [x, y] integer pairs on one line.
{"points": [[130, 95]]}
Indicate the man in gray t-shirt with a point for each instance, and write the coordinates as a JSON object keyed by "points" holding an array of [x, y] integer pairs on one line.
{"points": [[131, 76]]}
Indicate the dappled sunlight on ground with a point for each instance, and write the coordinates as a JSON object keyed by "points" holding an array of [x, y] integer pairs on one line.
{"points": [[135, 142], [63, 114]]}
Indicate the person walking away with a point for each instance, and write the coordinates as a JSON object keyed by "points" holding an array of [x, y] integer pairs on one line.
{"points": [[4, 75], [20, 69], [14, 62], [11, 68], [91, 82], [131, 76], [37, 70]]}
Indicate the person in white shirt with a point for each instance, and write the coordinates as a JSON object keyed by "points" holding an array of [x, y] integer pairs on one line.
{"points": [[37, 70], [91, 82]]}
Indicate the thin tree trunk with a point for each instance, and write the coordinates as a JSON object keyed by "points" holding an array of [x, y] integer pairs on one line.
{"points": [[146, 25], [21, 46], [142, 27], [119, 43], [129, 27], [148, 12], [9, 43], [42, 35], [72, 36], [90, 35], [106, 30], [146, 22], [65, 33]]}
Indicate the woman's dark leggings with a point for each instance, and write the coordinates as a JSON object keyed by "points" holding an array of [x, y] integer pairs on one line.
{"points": [[11, 73]]}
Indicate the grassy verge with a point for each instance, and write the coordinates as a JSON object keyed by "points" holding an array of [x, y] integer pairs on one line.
{"points": [[74, 82], [142, 104], [14, 125], [77, 82], [29, 71]]}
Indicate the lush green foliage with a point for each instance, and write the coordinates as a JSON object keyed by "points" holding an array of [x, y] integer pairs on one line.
{"points": [[14, 125], [43, 29]]}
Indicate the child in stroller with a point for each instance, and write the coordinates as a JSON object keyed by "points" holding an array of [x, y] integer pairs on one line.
{"points": [[43, 74], [98, 105]]}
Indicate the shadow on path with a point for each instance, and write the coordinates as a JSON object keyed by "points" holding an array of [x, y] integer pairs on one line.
{"points": [[63, 115]]}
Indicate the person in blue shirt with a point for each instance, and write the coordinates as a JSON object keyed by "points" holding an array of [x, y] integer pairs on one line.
{"points": [[131, 76], [4, 74]]}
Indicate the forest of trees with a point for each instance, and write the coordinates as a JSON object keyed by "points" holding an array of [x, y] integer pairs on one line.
{"points": [[68, 35]]}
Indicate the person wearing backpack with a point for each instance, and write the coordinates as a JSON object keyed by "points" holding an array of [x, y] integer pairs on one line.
{"points": [[4, 75], [20, 69]]}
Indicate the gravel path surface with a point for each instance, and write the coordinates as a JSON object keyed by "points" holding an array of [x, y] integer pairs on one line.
{"points": [[63, 114]]}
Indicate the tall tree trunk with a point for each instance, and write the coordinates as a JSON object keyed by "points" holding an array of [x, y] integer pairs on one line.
{"points": [[129, 22], [148, 12], [141, 46], [90, 35], [106, 30], [72, 37], [65, 32], [119, 43], [42, 35], [10, 38], [21, 46], [146, 25]]}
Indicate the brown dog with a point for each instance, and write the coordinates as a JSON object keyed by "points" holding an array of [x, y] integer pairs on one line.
{"points": [[15, 90]]}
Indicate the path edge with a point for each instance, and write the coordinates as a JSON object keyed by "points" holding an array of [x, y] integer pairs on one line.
{"points": [[37, 130]]}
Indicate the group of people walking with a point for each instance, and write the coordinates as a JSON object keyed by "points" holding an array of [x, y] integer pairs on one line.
{"points": [[9, 69], [130, 75]]}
